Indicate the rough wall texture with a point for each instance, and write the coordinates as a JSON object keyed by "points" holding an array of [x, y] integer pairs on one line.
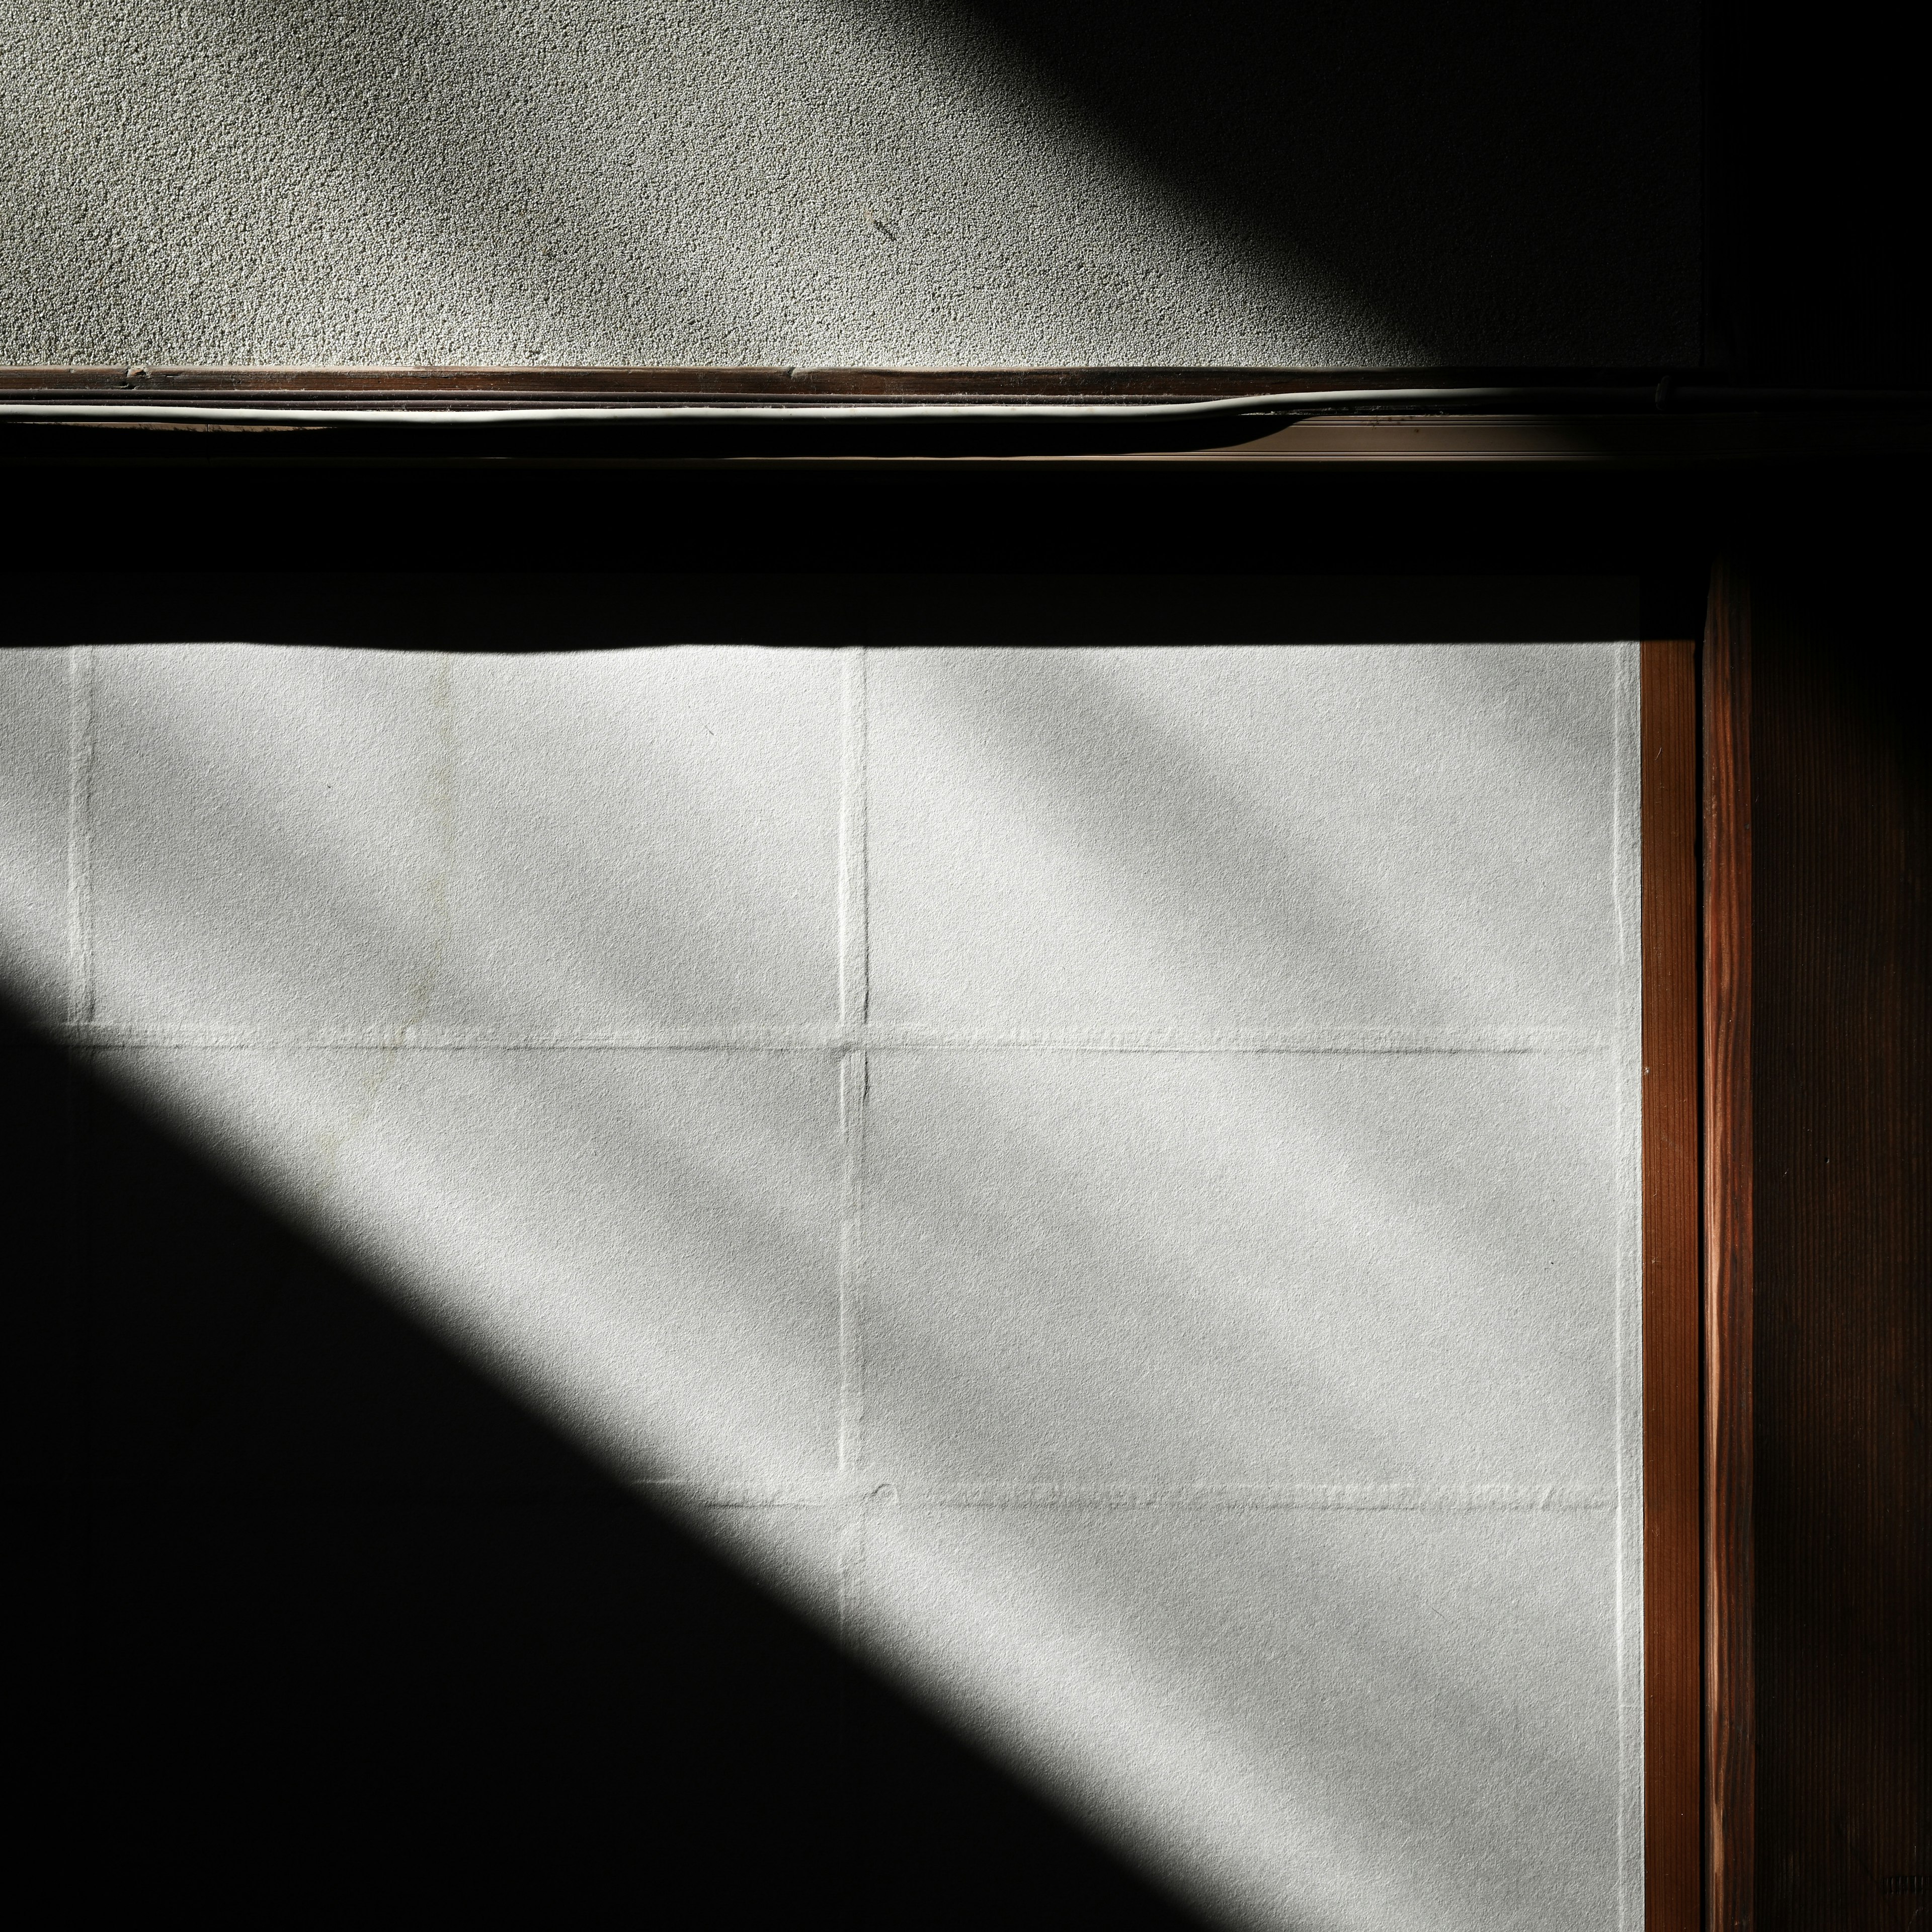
{"points": [[1108, 1176], [803, 182]]}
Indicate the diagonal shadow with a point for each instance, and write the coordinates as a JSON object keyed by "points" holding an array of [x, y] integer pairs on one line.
{"points": [[383, 1642], [136, 1438], [1389, 183], [1471, 181]]}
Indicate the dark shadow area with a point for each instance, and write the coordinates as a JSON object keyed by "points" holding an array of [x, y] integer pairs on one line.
{"points": [[317, 1621], [588, 610], [1842, 1068], [1817, 165], [1495, 182], [822, 527]]}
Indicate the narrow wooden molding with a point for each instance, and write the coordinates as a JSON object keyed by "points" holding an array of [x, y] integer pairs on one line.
{"points": [[1672, 1645], [1729, 1682], [495, 388]]}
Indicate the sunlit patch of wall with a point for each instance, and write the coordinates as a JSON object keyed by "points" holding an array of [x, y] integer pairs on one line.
{"points": [[1105, 1177], [839, 181]]}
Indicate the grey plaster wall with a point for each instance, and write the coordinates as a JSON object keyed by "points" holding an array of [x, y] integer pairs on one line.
{"points": [[1108, 1176], [803, 182]]}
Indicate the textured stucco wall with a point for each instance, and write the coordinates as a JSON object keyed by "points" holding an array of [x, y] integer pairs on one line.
{"points": [[1108, 1175], [820, 182]]}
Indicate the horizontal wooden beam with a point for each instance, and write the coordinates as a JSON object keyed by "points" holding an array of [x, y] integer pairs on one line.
{"points": [[1552, 419], [499, 387], [1553, 441]]}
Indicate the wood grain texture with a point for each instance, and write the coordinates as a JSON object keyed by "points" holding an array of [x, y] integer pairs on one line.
{"points": [[1673, 1677], [1842, 950], [1730, 1700]]}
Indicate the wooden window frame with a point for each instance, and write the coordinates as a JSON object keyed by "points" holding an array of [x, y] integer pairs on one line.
{"points": [[1700, 1756], [1697, 1296]]}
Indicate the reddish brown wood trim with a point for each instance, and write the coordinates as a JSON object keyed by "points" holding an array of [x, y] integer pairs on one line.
{"points": [[1672, 1643], [495, 388], [1730, 1726]]}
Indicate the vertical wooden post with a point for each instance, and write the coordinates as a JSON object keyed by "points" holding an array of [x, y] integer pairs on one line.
{"points": [[1673, 1643], [1729, 1687]]}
